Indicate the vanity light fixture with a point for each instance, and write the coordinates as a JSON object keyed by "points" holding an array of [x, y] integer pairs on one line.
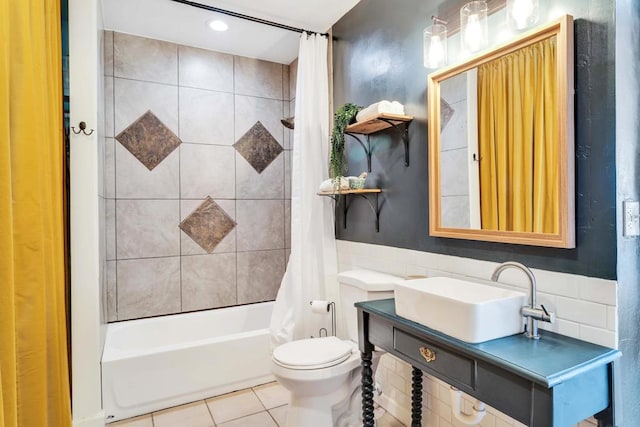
{"points": [[435, 43], [218, 25], [522, 14], [473, 26]]}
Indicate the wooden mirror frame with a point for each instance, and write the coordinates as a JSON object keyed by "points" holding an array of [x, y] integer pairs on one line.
{"points": [[565, 238]]}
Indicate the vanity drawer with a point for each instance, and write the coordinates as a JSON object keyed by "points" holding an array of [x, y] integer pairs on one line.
{"points": [[452, 368]]}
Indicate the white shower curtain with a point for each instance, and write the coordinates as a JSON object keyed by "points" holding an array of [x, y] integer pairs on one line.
{"points": [[312, 263]]}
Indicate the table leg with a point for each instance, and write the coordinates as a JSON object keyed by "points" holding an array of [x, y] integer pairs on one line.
{"points": [[416, 397], [606, 418], [367, 390]]}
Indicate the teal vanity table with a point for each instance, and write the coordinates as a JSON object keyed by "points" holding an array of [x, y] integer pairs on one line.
{"points": [[555, 381]]}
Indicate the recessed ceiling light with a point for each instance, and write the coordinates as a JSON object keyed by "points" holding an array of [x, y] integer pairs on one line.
{"points": [[218, 25]]}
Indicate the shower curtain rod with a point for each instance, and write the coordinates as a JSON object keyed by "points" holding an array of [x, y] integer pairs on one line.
{"points": [[247, 17]]}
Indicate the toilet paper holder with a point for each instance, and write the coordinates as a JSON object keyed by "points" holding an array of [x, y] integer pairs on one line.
{"points": [[330, 307]]}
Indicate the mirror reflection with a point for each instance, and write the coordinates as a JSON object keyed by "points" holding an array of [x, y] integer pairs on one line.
{"points": [[498, 133], [501, 144]]}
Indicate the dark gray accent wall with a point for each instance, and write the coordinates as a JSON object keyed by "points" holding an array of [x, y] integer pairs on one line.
{"points": [[628, 188], [378, 55]]}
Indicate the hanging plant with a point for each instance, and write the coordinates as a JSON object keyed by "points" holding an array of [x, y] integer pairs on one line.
{"points": [[342, 118]]}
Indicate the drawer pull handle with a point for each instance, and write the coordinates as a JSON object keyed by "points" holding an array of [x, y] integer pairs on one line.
{"points": [[428, 354]]}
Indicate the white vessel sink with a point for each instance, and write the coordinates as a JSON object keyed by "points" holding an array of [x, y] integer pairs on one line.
{"points": [[468, 311]]}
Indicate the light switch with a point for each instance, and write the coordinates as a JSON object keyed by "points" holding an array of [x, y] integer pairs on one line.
{"points": [[631, 218]]}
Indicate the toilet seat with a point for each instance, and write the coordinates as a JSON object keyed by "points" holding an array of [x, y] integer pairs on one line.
{"points": [[312, 353]]}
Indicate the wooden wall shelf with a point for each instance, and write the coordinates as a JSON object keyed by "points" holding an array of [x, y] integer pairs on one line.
{"points": [[364, 193], [361, 191], [378, 123]]}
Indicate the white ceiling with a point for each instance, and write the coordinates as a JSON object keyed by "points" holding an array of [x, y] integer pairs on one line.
{"points": [[183, 24]]}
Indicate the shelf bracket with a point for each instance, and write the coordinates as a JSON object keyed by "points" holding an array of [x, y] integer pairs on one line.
{"points": [[404, 134], [375, 209], [366, 148]]}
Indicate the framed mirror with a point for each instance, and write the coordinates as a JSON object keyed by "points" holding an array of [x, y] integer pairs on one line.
{"points": [[501, 142]]}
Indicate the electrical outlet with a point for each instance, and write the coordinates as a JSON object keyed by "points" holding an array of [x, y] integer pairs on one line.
{"points": [[631, 218]]}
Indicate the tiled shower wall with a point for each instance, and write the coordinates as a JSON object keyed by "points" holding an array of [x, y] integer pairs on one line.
{"points": [[454, 152], [197, 177]]}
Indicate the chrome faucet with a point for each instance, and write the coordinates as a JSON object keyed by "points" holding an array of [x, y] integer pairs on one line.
{"points": [[532, 313]]}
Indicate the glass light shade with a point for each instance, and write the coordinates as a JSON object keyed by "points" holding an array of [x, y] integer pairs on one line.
{"points": [[435, 46], [474, 32], [522, 14]]}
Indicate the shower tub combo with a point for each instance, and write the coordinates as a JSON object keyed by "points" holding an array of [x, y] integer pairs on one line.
{"points": [[156, 363]]}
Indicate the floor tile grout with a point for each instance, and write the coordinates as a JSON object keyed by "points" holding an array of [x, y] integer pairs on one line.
{"points": [[152, 416], [210, 413]]}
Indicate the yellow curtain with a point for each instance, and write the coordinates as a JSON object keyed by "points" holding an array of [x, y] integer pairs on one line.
{"points": [[34, 375], [517, 139]]}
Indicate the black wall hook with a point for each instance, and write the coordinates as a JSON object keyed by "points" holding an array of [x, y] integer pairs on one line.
{"points": [[82, 126]]}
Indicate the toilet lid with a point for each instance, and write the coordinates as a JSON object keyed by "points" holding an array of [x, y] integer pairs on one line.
{"points": [[312, 353]]}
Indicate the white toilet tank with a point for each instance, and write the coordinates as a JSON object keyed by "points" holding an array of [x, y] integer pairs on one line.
{"points": [[362, 285]]}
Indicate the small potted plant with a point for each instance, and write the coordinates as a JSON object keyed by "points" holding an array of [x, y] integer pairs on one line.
{"points": [[343, 117]]}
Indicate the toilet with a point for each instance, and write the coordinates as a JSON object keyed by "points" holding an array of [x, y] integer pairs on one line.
{"points": [[323, 374]]}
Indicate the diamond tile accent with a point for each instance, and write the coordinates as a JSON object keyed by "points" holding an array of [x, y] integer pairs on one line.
{"points": [[446, 112], [208, 225], [258, 147], [149, 140]]}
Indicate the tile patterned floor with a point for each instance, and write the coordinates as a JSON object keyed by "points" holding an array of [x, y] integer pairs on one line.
{"points": [[261, 406]]}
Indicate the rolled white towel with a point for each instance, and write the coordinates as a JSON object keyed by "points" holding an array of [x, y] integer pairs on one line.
{"points": [[328, 184], [383, 106]]}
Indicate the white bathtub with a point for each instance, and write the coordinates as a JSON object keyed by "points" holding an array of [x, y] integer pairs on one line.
{"points": [[156, 363]]}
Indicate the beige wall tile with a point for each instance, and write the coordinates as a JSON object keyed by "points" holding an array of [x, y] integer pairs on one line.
{"points": [[145, 59], [207, 170], [285, 83], [107, 51], [206, 117], [260, 224], [110, 229], [108, 107], [287, 224], [147, 228], [287, 133], [259, 275], [455, 211], [135, 181], [109, 169], [255, 77], [134, 98], [266, 185], [112, 314], [148, 287], [293, 77], [454, 183], [249, 110], [205, 69], [208, 281], [455, 133], [292, 112], [287, 174]]}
